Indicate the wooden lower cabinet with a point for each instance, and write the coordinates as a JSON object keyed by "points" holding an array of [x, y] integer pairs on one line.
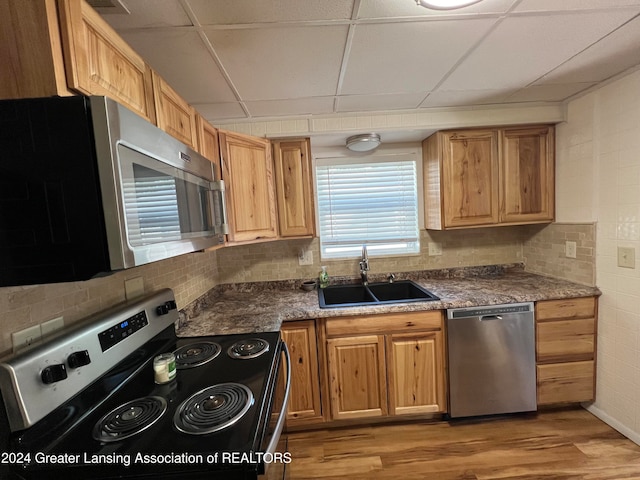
{"points": [[570, 382], [357, 379], [386, 365], [566, 350], [305, 406], [416, 373]]}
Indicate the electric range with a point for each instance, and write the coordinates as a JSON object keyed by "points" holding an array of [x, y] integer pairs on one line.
{"points": [[86, 403]]}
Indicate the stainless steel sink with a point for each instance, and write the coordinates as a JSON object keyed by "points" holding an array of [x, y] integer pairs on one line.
{"points": [[372, 294]]}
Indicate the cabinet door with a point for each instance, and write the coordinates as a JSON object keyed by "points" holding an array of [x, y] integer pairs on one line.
{"points": [[99, 62], [208, 144], [247, 170], [304, 401], [294, 190], [470, 178], [416, 373], [357, 377], [173, 114], [527, 186]]}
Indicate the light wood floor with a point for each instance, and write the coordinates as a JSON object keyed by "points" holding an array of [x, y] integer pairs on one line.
{"points": [[558, 445]]}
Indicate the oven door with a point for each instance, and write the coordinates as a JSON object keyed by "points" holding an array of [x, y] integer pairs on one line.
{"points": [[276, 443]]}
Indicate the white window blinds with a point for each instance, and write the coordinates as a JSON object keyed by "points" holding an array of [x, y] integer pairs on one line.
{"points": [[371, 201]]}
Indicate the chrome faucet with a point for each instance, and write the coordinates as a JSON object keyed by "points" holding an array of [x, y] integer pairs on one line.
{"points": [[364, 266]]}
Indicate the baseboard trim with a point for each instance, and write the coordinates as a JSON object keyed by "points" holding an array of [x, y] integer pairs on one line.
{"points": [[612, 422]]}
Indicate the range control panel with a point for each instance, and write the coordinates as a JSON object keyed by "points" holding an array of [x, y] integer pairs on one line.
{"points": [[36, 381], [122, 330]]}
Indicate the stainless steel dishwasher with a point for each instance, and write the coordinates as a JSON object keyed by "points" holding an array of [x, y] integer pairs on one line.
{"points": [[492, 363]]}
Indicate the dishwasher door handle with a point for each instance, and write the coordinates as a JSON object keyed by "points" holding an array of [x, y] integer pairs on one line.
{"points": [[490, 317]]}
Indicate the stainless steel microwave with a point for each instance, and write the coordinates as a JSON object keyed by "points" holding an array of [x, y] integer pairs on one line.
{"points": [[88, 187]]}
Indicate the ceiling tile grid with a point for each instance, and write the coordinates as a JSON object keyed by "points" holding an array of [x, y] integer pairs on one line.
{"points": [[240, 60]]}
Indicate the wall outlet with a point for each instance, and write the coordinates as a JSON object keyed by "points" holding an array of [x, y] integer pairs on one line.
{"points": [[134, 287], [435, 248], [627, 257], [305, 257], [25, 338], [570, 249], [47, 328]]}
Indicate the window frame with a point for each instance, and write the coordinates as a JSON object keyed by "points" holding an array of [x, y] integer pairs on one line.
{"points": [[397, 152]]}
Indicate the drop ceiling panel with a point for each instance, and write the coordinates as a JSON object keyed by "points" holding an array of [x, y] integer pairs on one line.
{"points": [[549, 93], [279, 58], [407, 57], [229, 12], [615, 53], [408, 8], [182, 59], [298, 106], [557, 5], [522, 49], [214, 112], [150, 13], [465, 97], [281, 63], [363, 103]]}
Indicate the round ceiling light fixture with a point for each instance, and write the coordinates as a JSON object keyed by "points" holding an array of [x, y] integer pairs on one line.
{"points": [[445, 4], [365, 142]]}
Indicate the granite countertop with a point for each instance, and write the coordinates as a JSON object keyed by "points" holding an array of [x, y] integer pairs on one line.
{"points": [[261, 307]]}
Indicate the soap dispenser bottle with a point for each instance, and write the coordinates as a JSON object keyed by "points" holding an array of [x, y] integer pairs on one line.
{"points": [[323, 278]]}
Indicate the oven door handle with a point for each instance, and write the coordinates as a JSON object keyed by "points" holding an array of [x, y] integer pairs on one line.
{"points": [[273, 443]]}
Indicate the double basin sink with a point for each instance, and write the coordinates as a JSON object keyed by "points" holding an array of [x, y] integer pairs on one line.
{"points": [[373, 294]]}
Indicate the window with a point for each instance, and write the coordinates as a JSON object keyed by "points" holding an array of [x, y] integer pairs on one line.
{"points": [[369, 201]]}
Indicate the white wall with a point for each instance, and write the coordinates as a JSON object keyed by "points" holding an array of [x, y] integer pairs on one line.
{"points": [[598, 179]]}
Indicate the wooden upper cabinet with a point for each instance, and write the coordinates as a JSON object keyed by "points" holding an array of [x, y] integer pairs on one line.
{"points": [[247, 169], [98, 62], [483, 177], [527, 174], [470, 174], [294, 188], [31, 50], [173, 114], [208, 144]]}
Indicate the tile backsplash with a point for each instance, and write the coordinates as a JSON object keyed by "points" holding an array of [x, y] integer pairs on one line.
{"points": [[460, 248], [544, 251], [189, 276]]}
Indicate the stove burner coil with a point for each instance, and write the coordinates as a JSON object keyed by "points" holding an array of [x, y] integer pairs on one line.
{"points": [[129, 419], [250, 348], [213, 408], [196, 354]]}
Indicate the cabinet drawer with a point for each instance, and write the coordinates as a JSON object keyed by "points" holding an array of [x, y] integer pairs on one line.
{"points": [[565, 340], [381, 324], [565, 382], [565, 309]]}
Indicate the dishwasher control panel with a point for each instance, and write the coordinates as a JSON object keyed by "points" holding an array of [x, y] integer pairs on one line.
{"points": [[490, 310]]}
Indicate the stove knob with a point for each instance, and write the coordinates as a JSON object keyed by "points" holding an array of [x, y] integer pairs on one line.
{"points": [[164, 309], [54, 373], [79, 359]]}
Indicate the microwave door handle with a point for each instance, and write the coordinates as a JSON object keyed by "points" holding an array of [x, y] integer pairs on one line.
{"points": [[273, 443], [218, 190]]}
